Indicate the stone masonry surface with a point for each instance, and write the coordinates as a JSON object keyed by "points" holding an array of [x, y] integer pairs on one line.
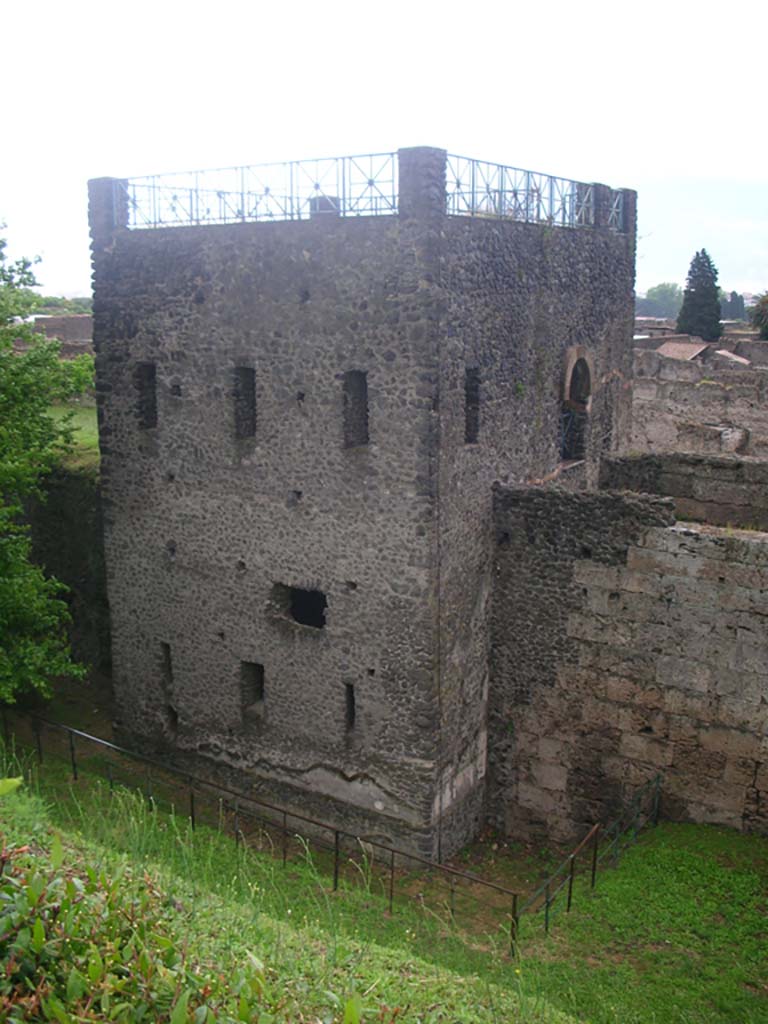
{"points": [[692, 407], [213, 534], [625, 646], [723, 490]]}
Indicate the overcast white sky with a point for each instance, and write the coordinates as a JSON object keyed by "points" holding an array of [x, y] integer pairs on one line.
{"points": [[665, 97]]}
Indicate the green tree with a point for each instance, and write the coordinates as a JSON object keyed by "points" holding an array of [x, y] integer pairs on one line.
{"points": [[758, 314], [663, 300], [33, 618], [700, 312], [57, 305]]}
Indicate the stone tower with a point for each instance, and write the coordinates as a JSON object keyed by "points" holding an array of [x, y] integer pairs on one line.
{"points": [[301, 419]]}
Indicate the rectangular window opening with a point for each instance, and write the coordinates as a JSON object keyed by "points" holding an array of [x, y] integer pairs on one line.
{"points": [[350, 705], [245, 402], [146, 386], [355, 408], [307, 607], [166, 666], [471, 405], [251, 684]]}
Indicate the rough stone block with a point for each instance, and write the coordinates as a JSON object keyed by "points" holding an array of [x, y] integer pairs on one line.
{"points": [[646, 748]]}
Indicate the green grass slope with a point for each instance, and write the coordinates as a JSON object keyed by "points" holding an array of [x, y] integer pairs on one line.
{"points": [[676, 934], [88, 933]]}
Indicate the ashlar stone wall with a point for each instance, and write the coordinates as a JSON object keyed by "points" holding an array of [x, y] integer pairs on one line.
{"points": [[693, 407], [625, 645], [722, 490]]}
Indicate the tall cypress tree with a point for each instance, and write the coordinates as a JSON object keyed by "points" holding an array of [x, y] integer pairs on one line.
{"points": [[700, 312]]}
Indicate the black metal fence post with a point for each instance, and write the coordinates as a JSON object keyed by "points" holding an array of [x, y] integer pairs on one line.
{"points": [[38, 741], [452, 903], [72, 756], [391, 879], [191, 804], [285, 838], [571, 871], [236, 822], [656, 801], [546, 909], [110, 778], [336, 851], [513, 926], [595, 844]]}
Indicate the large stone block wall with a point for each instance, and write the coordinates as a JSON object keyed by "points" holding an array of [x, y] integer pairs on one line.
{"points": [[723, 490], [625, 646], [691, 407]]}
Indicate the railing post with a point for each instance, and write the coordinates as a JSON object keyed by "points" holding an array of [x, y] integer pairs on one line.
{"points": [[391, 879], [513, 926], [191, 804], [236, 822], [595, 843], [452, 901], [72, 757], [571, 870], [285, 838], [336, 851], [110, 779], [546, 909], [38, 741], [656, 801]]}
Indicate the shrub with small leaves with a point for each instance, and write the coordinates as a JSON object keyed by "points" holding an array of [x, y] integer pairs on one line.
{"points": [[79, 946]]}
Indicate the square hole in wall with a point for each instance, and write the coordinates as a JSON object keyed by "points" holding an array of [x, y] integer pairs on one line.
{"points": [[307, 607]]}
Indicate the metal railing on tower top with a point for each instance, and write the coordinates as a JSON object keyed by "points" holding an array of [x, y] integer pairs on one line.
{"points": [[360, 186]]}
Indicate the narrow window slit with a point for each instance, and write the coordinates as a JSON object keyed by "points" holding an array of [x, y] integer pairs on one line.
{"points": [[471, 405], [355, 408], [245, 402], [145, 379], [251, 685], [350, 705]]}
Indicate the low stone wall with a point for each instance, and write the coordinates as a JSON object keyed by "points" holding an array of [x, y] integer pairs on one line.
{"points": [[67, 539], [692, 407], [624, 646], [724, 490]]}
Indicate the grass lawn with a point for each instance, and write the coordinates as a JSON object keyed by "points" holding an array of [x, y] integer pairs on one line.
{"points": [[677, 934], [86, 434]]}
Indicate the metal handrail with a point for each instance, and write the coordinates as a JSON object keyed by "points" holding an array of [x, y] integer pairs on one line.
{"points": [[191, 778]]}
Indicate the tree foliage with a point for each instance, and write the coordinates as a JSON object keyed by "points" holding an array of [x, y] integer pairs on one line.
{"points": [[57, 305], [700, 312], [758, 314], [33, 618], [662, 300]]}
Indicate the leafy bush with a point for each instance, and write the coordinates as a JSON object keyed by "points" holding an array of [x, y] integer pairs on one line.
{"points": [[80, 946]]}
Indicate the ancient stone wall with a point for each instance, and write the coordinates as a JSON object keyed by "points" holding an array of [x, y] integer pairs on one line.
{"points": [[723, 490], [300, 424], [625, 646], [692, 407], [66, 533], [517, 300], [207, 532]]}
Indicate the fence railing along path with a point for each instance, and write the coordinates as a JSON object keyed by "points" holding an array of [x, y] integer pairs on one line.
{"points": [[477, 902]]}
